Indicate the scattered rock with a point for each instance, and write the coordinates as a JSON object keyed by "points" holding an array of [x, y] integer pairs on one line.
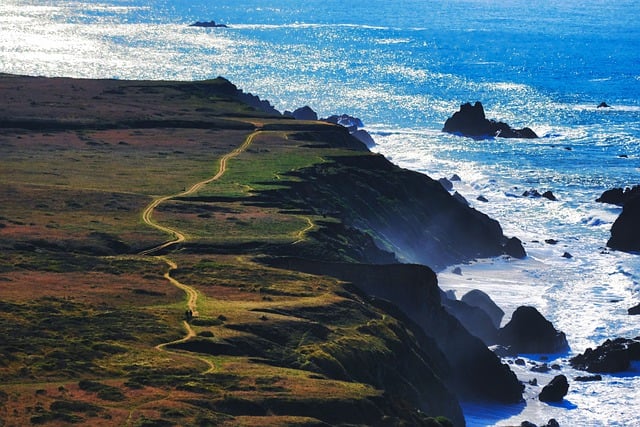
{"points": [[618, 196], [529, 332], [551, 241], [458, 271], [533, 382], [482, 199], [478, 298], [588, 378], [520, 362], [567, 255], [625, 232], [455, 177], [611, 356], [514, 248], [555, 391], [531, 193], [623, 156], [549, 195], [471, 121], [603, 105], [634, 310]]}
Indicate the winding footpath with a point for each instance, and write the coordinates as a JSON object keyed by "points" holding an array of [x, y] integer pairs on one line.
{"points": [[179, 237]]}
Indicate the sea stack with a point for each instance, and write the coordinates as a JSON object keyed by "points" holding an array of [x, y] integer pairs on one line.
{"points": [[471, 121]]}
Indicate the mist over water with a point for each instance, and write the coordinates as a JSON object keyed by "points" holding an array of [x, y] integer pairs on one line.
{"points": [[404, 67]]}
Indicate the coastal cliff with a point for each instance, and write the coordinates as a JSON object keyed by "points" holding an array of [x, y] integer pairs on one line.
{"points": [[180, 253]]}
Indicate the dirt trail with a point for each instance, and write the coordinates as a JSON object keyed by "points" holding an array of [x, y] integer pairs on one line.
{"points": [[178, 237]]}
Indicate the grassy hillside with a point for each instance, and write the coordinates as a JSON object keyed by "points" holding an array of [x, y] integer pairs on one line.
{"points": [[100, 326]]}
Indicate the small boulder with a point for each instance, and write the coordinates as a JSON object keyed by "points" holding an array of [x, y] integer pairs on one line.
{"points": [[482, 199], [603, 104], [513, 247], [556, 390], [529, 332], [531, 193], [455, 177]]}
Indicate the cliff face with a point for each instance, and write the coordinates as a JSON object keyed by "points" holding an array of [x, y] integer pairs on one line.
{"points": [[405, 212], [468, 366]]}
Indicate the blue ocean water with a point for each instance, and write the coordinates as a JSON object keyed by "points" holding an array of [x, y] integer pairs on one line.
{"points": [[403, 67]]}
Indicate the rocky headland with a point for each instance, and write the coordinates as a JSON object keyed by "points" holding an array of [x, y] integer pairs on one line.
{"points": [[316, 259]]}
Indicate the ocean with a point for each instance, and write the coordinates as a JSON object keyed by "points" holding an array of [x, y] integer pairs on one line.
{"points": [[404, 67]]}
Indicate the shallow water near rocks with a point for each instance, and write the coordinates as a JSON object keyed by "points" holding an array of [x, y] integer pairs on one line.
{"points": [[404, 67]]}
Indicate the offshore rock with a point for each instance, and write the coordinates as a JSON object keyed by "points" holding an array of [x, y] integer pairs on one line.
{"points": [[209, 24], [471, 121], [625, 231], [555, 391], [513, 247], [529, 332], [618, 196], [611, 356]]}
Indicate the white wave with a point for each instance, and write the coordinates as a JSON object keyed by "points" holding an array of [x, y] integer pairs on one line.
{"points": [[302, 25]]}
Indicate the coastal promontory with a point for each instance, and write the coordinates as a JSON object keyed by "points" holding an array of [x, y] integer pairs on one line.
{"points": [[179, 253]]}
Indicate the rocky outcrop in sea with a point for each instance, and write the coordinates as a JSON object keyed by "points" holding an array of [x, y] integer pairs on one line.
{"points": [[625, 231], [471, 121]]}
